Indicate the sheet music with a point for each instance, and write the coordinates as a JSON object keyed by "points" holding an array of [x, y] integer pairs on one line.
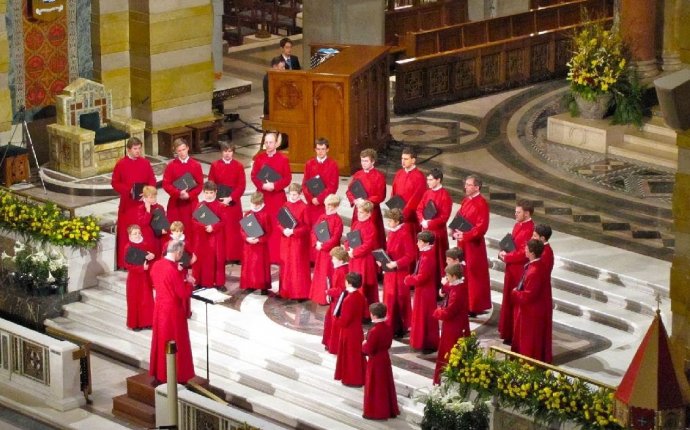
{"points": [[210, 295]]}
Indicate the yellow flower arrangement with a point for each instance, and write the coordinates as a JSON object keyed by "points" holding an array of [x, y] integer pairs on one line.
{"points": [[544, 394], [47, 223]]}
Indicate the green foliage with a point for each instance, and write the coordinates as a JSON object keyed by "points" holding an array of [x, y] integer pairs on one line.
{"points": [[38, 271], [447, 408], [628, 94]]}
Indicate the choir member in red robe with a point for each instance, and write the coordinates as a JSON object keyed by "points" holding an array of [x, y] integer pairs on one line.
{"points": [[409, 183], [380, 398], [543, 232], [294, 243], [532, 300], [131, 169], [455, 322], [139, 292], [177, 233], [209, 243], [323, 266], [402, 251], [144, 214], [169, 319], [515, 264], [256, 265], [327, 170], [374, 183], [443, 202], [182, 202], [349, 311], [475, 210], [361, 259], [331, 331], [229, 172], [274, 192], [424, 330]]}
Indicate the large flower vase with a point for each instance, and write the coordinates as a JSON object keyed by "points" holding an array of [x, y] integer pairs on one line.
{"points": [[593, 109]]}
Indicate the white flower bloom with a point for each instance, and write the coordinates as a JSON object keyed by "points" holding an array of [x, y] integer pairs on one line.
{"points": [[461, 407], [18, 247], [50, 279], [40, 257], [6, 256]]}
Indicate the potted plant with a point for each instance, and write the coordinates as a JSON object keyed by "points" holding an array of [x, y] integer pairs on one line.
{"points": [[38, 271]]}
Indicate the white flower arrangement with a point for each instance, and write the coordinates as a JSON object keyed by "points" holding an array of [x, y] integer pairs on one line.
{"points": [[34, 268]]}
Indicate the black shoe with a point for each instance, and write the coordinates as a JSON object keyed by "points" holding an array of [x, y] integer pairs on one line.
{"points": [[366, 320], [473, 315], [137, 329], [264, 292], [427, 351], [507, 342]]}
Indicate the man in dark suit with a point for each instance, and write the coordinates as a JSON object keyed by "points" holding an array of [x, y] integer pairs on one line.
{"points": [[291, 61]]}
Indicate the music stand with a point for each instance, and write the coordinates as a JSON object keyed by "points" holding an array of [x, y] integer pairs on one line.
{"points": [[26, 142], [209, 296]]}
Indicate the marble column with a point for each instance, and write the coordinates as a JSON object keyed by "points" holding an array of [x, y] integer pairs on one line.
{"points": [[110, 47], [638, 26], [683, 16], [171, 63], [5, 100], [670, 56]]}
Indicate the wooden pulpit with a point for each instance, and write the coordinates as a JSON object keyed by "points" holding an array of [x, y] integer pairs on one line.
{"points": [[344, 99]]}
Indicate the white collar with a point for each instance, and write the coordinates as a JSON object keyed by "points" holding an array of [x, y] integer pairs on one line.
{"points": [[270, 155], [426, 248], [456, 282], [141, 240], [474, 195], [437, 188], [396, 228], [259, 208], [185, 160], [226, 162], [378, 320], [414, 166], [169, 258], [321, 160], [342, 263], [350, 289]]}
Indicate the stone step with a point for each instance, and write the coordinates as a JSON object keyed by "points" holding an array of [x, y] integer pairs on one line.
{"points": [[650, 139], [142, 389], [639, 152], [134, 411], [656, 124]]}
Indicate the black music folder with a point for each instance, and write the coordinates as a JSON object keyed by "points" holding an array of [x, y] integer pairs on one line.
{"points": [[185, 182], [383, 258], [321, 231], [251, 226], [205, 215], [507, 244], [286, 218], [316, 186], [460, 223], [430, 210], [268, 174], [159, 221], [357, 190], [136, 256], [137, 189], [395, 202], [186, 260], [354, 238], [223, 191]]}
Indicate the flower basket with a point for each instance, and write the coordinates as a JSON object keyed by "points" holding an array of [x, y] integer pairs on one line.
{"points": [[593, 109]]}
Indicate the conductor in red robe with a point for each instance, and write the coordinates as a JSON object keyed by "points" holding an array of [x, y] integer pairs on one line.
{"points": [[294, 243], [475, 210], [349, 311], [409, 183], [323, 266], [256, 266], [374, 184], [131, 169], [274, 192], [361, 259], [424, 330], [514, 265], [169, 316], [228, 172], [442, 202], [209, 245], [326, 169], [453, 317], [380, 398], [331, 331], [182, 201], [533, 306]]}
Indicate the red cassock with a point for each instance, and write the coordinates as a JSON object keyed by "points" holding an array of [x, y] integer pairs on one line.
{"points": [[533, 325], [515, 265], [374, 183], [256, 266], [209, 269], [363, 262], [380, 399], [328, 172], [273, 199], [294, 269], [424, 329], [126, 173], [410, 186], [547, 260], [179, 209], [437, 225], [331, 331], [323, 266], [454, 323], [476, 211], [143, 220], [170, 321], [231, 175], [350, 363], [396, 295], [183, 274], [139, 291]]}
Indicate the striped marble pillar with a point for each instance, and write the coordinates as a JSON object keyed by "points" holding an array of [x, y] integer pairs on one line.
{"points": [[110, 47], [5, 101], [171, 63]]}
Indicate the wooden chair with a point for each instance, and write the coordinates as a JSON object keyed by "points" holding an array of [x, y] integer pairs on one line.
{"points": [[283, 16]]}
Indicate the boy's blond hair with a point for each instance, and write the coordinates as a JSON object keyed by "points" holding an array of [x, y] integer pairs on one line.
{"points": [[340, 253], [332, 200], [133, 227], [149, 191], [366, 206], [177, 226], [256, 198]]}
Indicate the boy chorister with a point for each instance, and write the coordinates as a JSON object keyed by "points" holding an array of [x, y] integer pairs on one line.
{"points": [[323, 267], [424, 329], [209, 242], [294, 243], [401, 250], [139, 291], [144, 214], [380, 399], [349, 311], [256, 264], [455, 322], [361, 259], [331, 332]]}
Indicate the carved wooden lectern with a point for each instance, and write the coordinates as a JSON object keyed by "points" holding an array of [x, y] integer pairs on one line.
{"points": [[344, 99]]}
